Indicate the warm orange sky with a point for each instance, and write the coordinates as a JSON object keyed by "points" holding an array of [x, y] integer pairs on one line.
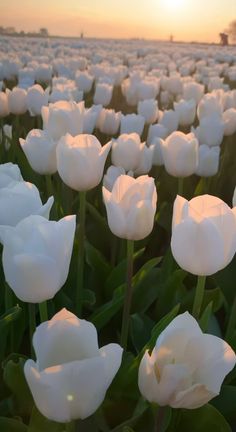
{"points": [[187, 20]]}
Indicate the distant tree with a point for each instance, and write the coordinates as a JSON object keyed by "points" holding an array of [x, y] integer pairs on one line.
{"points": [[232, 30]]}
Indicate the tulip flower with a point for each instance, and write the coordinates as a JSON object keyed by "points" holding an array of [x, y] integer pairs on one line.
{"points": [[131, 207], [40, 150], [207, 228], [209, 106], [4, 105], [36, 98], [229, 119], [109, 121], [103, 94], [112, 175], [81, 160], [36, 256], [208, 161], [9, 173], [149, 110], [80, 164], [63, 117], [193, 90], [127, 151], [170, 120], [210, 131], [17, 100], [180, 154], [20, 199], [71, 376], [131, 123], [186, 111], [186, 367]]}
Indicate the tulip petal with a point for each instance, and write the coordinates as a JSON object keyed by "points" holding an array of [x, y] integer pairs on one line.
{"points": [[198, 247], [33, 278], [192, 398], [218, 360], [79, 340]]}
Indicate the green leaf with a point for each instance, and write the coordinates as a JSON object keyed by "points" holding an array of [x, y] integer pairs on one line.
{"points": [[11, 425], [39, 423], [204, 419], [226, 402], [140, 330], [118, 275], [9, 316], [89, 297], [13, 375], [215, 296], [104, 314], [97, 262], [204, 320]]}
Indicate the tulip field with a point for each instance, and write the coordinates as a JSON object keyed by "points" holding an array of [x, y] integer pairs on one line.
{"points": [[117, 236]]}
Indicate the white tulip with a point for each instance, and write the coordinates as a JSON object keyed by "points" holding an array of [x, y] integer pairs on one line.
{"points": [[180, 154], [20, 199], [40, 150], [186, 367], [71, 376], [208, 161], [63, 117], [36, 256], [131, 207], [206, 226], [81, 160]]}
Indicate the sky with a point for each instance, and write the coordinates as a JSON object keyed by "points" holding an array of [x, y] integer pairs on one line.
{"points": [[187, 20]]}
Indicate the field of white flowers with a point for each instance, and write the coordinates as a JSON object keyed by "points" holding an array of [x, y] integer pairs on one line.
{"points": [[118, 236]]}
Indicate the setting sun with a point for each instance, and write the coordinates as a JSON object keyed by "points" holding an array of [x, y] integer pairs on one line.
{"points": [[174, 4]]}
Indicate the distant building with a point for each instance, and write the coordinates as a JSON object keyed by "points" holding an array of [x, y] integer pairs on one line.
{"points": [[82, 35], [224, 39], [43, 32], [171, 38]]}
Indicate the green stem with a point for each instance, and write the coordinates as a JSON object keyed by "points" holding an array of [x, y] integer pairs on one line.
{"points": [[180, 186], [128, 295], [8, 297], [70, 427], [32, 324], [159, 419], [81, 234], [43, 311], [49, 185], [232, 322], [199, 294]]}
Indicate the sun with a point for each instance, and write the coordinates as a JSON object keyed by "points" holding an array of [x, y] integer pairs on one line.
{"points": [[174, 4]]}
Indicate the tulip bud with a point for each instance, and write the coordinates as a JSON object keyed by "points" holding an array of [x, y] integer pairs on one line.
{"points": [[208, 161], [186, 111], [186, 367], [229, 119], [36, 98], [103, 94], [17, 100], [207, 228], [127, 151], [63, 117], [9, 173], [170, 120], [36, 256], [81, 160], [180, 154], [149, 110], [131, 123], [40, 150], [210, 131], [109, 121], [131, 207]]}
